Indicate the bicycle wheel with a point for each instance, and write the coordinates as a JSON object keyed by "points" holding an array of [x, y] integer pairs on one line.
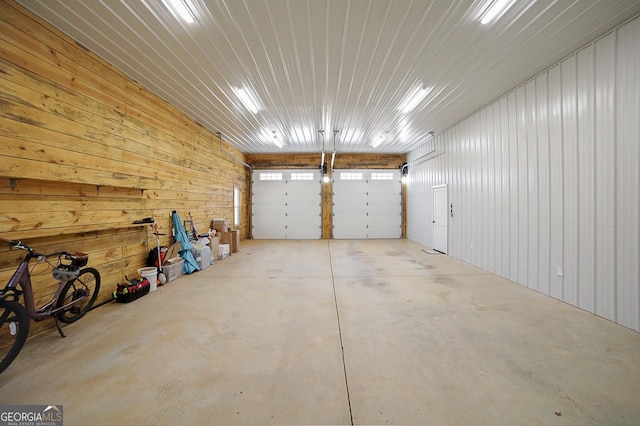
{"points": [[14, 328], [82, 292]]}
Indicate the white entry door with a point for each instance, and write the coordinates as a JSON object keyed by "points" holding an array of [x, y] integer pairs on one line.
{"points": [[367, 204], [286, 204], [440, 218]]}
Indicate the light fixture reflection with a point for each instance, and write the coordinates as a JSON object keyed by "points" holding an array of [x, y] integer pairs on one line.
{"points": [[496, 10], [181, 9], [413, 98], [247, 99]]}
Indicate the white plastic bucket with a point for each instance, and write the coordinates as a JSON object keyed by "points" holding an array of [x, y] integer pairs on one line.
{"points": [[150, 273]]}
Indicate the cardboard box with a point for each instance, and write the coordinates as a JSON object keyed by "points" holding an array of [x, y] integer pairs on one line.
{"points": [[220, 225], [172, 252], [235, 240], [232, 238], [227, 238], [214, 242]]}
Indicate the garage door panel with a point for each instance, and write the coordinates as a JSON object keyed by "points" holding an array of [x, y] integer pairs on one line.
{"points": [[302, 212], [272, 210], [378, 233], [348, 201], [367, 204], [383, 199], [304, 230], [269, 227], [348, 205], [384, 186], [343, 230], [286, 204], [351, 186], [311, 200], [269, 189], [267, 194], [301, 186], [374, 208], [384, 226]]}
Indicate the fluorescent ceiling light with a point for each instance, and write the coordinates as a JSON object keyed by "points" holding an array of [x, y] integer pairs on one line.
{"points": [[413, 98], [247, 99], [181, 9], [495, 11]]}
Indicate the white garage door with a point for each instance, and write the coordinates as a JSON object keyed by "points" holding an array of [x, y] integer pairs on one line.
{"points": [[286, 204], [367, 204]]}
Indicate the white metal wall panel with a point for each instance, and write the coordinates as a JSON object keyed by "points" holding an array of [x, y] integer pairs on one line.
{"points": [[605, 135], [530, 128], [522, 223], [627, 175], [570, 183], [495, 158], [473, 199], [287, 208], [556, 191], [514, 226], [586, 179], [367, 208], [545, 181], [506, 199], [486, 196]]}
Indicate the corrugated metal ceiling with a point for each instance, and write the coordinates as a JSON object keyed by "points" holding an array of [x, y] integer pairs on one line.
{"points": [[331, 65]]}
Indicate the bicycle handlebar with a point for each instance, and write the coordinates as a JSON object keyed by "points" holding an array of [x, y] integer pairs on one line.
{"points": [[22, 246]]}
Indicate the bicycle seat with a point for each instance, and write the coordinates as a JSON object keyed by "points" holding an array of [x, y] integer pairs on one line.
{"points": [[77, 259]]}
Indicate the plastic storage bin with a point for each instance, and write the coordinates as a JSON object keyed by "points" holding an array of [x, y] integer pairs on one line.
{"points": [[202, 255], [174, 270]]}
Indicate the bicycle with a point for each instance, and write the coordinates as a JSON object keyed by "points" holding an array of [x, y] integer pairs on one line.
{"points": [[74, 296]]}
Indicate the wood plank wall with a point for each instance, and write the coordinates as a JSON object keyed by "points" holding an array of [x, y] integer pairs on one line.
{"points": [[342, 161], [86, 151]]}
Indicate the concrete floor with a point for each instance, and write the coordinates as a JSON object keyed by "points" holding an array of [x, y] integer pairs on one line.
{"points": [[258, 338]]}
